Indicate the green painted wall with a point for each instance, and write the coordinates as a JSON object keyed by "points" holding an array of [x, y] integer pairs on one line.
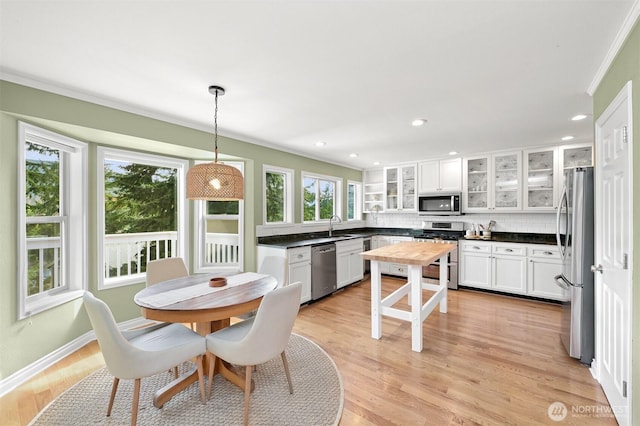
{"points": [[626, 67], [23, 342]]}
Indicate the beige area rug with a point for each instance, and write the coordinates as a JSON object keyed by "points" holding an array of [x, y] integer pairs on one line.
{"points": [[317, 397]]}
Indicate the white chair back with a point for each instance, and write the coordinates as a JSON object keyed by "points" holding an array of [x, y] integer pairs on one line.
{"points": [[271, 329], [115, 348], [276, 267], [166, 269]]}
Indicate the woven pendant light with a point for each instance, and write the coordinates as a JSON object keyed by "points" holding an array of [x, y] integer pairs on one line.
{"points": [[215, 181]]}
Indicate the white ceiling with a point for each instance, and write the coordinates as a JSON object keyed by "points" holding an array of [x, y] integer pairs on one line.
{"points": [[354, 74]]}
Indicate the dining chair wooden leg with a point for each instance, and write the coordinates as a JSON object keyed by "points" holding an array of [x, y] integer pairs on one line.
{"points": [[247, 393], [134, 404], [201, 378], [212, 366], [114, 388], [286, 370]]}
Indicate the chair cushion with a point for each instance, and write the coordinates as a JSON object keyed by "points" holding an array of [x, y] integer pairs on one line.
{"points": [[165, 348]]}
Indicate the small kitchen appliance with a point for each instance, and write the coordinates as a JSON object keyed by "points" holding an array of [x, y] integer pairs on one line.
{"points": [[439, 204]]}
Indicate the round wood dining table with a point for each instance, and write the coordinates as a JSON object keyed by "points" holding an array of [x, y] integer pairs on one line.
{"points": [[210, 312]]}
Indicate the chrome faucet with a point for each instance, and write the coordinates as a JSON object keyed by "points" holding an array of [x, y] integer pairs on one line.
{"points": [[335, 216]]}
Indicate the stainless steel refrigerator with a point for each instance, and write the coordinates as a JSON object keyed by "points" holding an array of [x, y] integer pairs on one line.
{"points": [[574, 234]]}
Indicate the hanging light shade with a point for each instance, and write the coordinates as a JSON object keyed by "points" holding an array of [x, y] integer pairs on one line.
{"points": [[215, 181]]}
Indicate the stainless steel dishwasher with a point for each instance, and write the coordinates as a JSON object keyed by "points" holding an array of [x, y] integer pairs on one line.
{"points": [[323, 270]]}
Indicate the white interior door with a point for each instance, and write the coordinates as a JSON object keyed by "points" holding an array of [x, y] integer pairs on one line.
{"points": [[613, 253]]}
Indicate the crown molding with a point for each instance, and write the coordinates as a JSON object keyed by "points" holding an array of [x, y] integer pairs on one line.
{"points": [[618, 41]]}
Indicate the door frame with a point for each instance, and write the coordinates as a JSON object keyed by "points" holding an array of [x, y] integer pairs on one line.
{"points": [[625, 95]]}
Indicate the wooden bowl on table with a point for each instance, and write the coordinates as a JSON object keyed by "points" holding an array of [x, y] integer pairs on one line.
{"points": [[217, 282]]}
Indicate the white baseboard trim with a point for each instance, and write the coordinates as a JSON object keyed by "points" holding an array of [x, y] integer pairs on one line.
{"points": [[21, 376]]}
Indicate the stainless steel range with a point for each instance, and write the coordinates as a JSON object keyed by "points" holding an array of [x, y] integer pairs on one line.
{"points": [[444, 233]]}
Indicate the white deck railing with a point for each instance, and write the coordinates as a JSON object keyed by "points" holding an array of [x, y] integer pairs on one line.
{"points": [[42, 244], [222, 250], [128, 254]]}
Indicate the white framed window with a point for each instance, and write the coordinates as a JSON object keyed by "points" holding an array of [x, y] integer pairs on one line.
{"points": [[142, 213], [321, 197], [52, 216], [277, 203], [354, 200], [219, 233]]}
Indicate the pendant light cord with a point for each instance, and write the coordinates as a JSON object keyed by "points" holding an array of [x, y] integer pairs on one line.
{"points": [[215, 128]]}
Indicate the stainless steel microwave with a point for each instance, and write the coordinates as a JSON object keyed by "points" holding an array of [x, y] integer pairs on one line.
{"points": [[442, 204]]}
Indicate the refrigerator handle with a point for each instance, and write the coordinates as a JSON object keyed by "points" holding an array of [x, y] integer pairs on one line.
{"points": [[564, 283], [561, 282], [563, 198]]}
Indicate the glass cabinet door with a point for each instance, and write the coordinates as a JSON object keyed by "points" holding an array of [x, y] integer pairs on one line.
{"points": [[391, 190], [400, 188], [409, 188], [477, 183], [506, 180], [577, 156], [540, 174]]}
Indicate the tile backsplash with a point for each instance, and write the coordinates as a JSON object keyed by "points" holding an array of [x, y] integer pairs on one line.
{"points": [[540, 223]]}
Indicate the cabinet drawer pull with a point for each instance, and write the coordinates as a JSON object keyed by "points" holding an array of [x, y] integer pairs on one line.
{"points": [[300, 256], [476, 248], [508, 250], [548, 253]]}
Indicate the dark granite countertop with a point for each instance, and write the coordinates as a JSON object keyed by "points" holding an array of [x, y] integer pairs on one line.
{"points": [[319, 238], [520, 237]]}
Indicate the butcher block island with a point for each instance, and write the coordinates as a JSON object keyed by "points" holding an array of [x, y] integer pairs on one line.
{"points": [[415, 255]]}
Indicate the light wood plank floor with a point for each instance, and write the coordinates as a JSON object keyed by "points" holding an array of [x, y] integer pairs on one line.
{"points": [[491, 360]]}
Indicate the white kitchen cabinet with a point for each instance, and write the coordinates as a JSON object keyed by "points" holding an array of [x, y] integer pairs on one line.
{"points": [[577, 155], [492, 182], [387, 268], [373, 190], [299, 262], [509, 268], [440, 175], [540, 179], [526, 269], [298, 265], [400, 188], [474, 261], [349, 265], [378, 241], [544, 264]]}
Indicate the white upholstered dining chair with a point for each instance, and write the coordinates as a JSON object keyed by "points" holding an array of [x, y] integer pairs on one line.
{"points": [[259, 339], [166, 269], [143, 352], [276, 267]]}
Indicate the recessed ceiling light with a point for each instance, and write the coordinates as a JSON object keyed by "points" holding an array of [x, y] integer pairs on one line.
{"points": [[453, 152], [567, 138], [578, 117], [376, 163], [418, 122], [353, 155], [320, 143]]}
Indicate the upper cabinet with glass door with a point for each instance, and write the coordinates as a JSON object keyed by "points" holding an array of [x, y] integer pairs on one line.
{"points": [[540, 171], [492, 182], [506, 181], [576, 156], [400, 188], [476, 184]]}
